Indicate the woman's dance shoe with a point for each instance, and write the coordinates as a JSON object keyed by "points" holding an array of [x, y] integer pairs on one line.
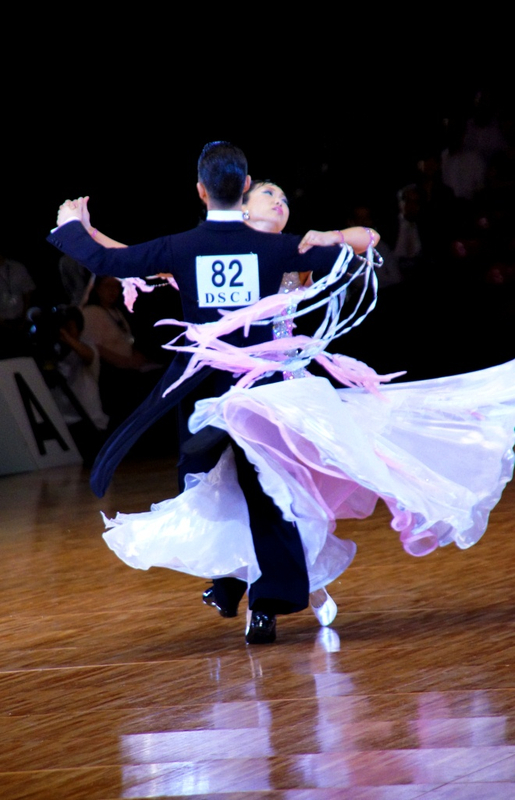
{"points": [[260, 628], [208, 598], [323, 606]]}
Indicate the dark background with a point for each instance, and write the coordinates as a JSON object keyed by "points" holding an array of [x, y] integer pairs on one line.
{"points": [[121, 114]]}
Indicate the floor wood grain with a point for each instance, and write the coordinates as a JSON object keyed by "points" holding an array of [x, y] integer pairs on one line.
{"points": [[117, 683]]}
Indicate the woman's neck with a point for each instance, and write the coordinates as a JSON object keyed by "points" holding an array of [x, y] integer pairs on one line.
{"points": [[263, 225]]}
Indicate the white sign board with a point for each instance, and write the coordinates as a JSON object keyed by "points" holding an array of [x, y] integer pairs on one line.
{"points": [[33, 434]]}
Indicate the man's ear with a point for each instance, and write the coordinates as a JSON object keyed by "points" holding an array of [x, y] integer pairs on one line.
{"points": [[246, 186], [202, 193]]}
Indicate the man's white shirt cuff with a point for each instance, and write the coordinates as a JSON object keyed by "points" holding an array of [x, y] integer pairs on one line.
{"points": [[71, 219]]}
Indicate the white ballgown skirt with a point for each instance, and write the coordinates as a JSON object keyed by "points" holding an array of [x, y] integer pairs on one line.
{"points": [[437, 452]]}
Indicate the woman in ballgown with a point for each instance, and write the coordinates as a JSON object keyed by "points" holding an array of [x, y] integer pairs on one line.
{"points": [[437, 452]]}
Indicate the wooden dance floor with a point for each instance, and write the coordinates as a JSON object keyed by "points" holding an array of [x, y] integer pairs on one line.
{"points": [[116, 683]]}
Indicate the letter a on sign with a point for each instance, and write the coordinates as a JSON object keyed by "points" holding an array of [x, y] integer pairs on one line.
{"points": [[33, 433], [44, 430]]}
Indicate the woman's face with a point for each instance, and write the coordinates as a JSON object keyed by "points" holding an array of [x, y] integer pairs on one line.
{"points": [[267, 207]]}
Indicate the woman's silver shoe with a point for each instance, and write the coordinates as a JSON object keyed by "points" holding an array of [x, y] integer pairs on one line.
{"points": [[323, 606]]}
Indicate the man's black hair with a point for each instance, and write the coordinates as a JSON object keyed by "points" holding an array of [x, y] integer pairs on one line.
{"points": [[222, 168]]}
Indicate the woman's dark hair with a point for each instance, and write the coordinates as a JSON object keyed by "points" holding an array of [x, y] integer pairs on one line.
{"points": [[254, 184]]}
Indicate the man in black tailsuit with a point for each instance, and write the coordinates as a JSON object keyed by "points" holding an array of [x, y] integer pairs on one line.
{"points": [[220, 264]]}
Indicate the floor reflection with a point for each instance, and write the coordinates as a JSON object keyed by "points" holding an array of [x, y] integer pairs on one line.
{"points": [[121, 683]]}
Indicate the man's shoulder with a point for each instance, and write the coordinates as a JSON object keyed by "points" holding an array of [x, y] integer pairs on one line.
{"points": [[208, 227], [217, 232]]}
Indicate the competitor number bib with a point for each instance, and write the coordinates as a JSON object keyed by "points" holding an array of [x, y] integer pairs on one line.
{"points": [[225, 281]]}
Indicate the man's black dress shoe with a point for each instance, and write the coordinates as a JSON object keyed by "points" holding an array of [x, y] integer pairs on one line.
{"points": [[261, 629], [209, 599]]}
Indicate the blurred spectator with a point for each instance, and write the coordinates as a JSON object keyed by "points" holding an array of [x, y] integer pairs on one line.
{"points": [[122, 383], [79, 366], [408, 245], [106, 326], [463, 170], [389, 274], [483, 132], [16, 292], [76, 280]]}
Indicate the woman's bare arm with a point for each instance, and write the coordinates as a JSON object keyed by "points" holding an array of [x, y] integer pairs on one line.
{"points": [[357, 237]]}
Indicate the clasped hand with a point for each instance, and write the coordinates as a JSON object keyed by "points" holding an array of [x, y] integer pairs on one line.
{"points": [[74, 209]]}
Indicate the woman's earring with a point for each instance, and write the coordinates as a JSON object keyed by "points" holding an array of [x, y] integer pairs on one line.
{"points": [[246, 214]]}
